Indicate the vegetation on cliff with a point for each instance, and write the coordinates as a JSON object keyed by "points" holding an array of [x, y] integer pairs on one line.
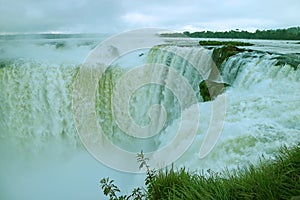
{"points": [[277, 178], [292, 33], [223, 53], [218, 43], [210, 89]]}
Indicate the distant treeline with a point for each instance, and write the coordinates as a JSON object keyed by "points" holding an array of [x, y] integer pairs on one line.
{"points": [[278, 34]]}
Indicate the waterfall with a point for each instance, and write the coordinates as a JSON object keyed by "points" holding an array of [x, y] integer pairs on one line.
{"points": [[177, 67], [36, 101], [39, 141], [260, 67], [262, 111]]}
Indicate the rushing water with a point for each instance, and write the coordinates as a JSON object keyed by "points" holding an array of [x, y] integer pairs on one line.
{"points": [[42, 156]]}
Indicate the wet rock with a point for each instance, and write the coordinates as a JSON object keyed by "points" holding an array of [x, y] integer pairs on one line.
{"points": [[209, 90], [291, 59], [222, 54]]}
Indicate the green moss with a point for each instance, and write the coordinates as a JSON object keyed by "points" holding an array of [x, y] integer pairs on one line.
{"points": [[218, 43], [209, 90], [223, 53], [204, 91], [60, 45], [2, 65], [5, 63]]}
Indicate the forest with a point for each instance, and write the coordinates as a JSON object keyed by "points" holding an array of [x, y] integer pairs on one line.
{"points": [[292, 33]]}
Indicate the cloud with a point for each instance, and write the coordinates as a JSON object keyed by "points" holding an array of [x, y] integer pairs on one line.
{"points": [[139, 19], [82, 15], [119, 15]]}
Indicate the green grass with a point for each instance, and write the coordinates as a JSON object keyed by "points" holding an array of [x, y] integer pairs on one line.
{"points": [[270, 179], [218, 43]]}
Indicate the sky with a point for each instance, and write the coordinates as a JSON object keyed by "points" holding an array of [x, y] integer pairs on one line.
{"points": [[113, 16]]}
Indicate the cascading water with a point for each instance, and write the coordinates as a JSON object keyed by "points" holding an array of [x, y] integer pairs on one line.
{"points": [[36, 100], [262, 112], [151, 94], [42, 156]]}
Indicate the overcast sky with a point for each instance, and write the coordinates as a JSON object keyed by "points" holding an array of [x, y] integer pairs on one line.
{"points": [[112, 16]]}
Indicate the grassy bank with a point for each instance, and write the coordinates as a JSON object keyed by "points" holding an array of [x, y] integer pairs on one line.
{"points": [[271, 179]]}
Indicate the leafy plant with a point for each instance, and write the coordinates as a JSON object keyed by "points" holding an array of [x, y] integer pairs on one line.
{"points": [[111, 190], [150, 173]]}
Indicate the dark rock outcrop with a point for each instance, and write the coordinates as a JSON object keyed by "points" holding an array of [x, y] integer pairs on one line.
{"points": [[209, 90], [221, 54]]}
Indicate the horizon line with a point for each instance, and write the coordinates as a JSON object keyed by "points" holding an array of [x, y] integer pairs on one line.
{"points": [[94, 33]]}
